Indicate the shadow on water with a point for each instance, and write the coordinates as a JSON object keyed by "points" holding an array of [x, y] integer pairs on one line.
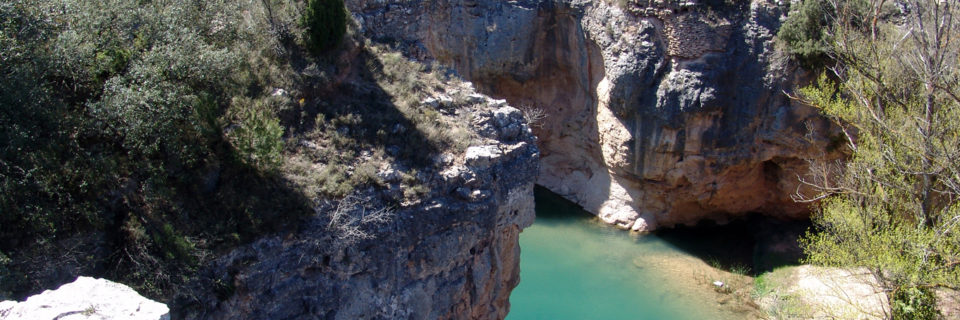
{"points": [[552, 207], [755, 244]]}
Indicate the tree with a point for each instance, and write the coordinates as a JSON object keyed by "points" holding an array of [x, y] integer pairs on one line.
{"points": [[326, 22], [895, 91], [803, 34]]}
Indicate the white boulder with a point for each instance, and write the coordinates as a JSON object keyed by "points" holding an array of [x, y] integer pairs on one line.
{"points": [[86, 298]]}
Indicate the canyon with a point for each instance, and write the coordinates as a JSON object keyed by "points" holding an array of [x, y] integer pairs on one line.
{"points": [[657, 113], [654, 115]]}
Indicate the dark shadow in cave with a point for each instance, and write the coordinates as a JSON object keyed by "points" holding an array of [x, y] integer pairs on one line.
{"points": [[551, 207], [756, 242]]}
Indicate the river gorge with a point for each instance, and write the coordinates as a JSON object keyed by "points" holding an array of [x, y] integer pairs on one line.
{"points": [[655, 115], [655, 138]]}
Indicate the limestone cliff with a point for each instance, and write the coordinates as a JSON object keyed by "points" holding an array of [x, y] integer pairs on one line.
{"points": [[452, 255], [658, 112]]}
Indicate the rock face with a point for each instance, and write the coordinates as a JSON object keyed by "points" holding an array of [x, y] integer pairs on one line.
{"points": [[657, 114], [86, 298], [452, 255]]}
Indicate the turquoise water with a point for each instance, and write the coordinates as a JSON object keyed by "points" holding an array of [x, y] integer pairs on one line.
{"points": [[572, 267]]}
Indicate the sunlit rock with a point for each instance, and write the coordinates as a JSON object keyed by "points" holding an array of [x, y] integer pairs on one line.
{"points": [[86, 298]]}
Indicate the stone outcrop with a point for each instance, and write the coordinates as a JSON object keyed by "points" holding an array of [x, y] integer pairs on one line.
{"points": [[86, 298], [454, 254], [658, 113]]}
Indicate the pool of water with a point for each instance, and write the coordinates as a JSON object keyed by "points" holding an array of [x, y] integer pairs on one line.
{"points": [[572, 267]]}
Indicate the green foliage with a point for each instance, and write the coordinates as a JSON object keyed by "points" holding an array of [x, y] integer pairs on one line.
{"points": [[153, 125], [804, 34], [326, 23], [112, 121], [911, 303], [761, 287], [176, 247], [4, 273], [259, 136], [40, 192], [893, 206]]}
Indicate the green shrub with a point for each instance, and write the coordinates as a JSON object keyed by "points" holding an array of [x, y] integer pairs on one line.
{"points": [[259, 136], [914, 303], [175, 247], [326, 23], [803, 33]]}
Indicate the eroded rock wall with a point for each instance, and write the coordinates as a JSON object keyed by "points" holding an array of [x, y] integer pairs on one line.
{"points": [[452, 255], [657, 114]]}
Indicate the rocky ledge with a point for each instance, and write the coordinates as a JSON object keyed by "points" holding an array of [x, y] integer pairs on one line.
{"points": [[454, 254]]}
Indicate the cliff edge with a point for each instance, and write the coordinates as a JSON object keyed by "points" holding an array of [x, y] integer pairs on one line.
{"points": [[452, 254]]}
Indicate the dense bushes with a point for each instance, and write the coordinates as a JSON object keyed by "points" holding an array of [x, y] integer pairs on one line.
{"points": [[804, 33], [259, 136], [326, 22], [112, 118]]}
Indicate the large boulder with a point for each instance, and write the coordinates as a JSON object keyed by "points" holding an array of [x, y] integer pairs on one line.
{"points": [[86, 298]]}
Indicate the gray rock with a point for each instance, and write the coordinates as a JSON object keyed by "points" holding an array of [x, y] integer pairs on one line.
{"points": [[431, 102], [482, 157], [86, 298], [463, 193], [390, 174], [476, 98]]}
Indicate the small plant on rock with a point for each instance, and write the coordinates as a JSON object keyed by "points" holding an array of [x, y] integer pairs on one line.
{"points": [[534, 115]]}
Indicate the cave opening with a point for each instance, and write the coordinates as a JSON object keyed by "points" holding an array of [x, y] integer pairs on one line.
{"points": [[755, 242]]}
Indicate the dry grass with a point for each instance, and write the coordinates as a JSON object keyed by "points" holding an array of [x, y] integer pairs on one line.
{"points": [[349, 139]]}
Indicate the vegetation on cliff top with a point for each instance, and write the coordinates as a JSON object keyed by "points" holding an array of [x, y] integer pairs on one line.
{"points": [[894, 206], [139, 139]]}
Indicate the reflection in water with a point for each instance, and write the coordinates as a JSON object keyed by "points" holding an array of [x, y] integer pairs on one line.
{"points": [[575, 268]]}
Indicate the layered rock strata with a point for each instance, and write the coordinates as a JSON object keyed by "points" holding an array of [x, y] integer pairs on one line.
{"points": [[454, 254], [658, 112]]}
